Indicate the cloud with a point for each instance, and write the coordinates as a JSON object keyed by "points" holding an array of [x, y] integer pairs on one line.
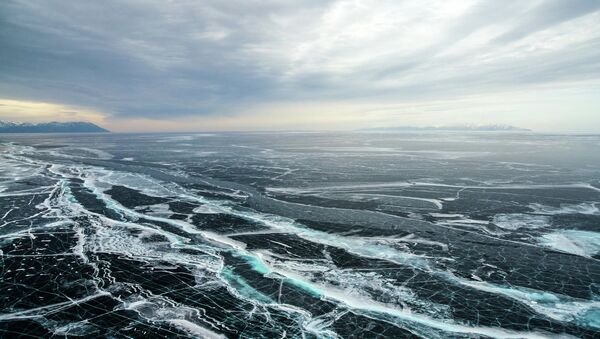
{"points": [[28, 111], [162, 60], [547, 14]]}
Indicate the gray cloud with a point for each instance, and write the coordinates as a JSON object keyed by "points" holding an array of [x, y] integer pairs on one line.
{"points": [[547, 14], [163, 59]]}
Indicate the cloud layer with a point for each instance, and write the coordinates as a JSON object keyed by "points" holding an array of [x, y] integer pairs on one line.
{"points": [[203, 60]]}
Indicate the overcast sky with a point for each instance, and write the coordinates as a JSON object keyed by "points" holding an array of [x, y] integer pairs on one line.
{"points": [[261, 65]]}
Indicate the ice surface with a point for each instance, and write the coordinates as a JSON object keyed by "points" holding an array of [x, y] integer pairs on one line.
{"points": [[296, 235], [573, 241], [521, 220]]}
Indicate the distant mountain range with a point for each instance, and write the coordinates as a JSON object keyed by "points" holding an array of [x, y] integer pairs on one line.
{"points": [[457, 128], [51, 127]]}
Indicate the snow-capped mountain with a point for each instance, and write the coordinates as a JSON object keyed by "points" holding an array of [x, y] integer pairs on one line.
{"points": [[50, 127], [465, 128]]}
